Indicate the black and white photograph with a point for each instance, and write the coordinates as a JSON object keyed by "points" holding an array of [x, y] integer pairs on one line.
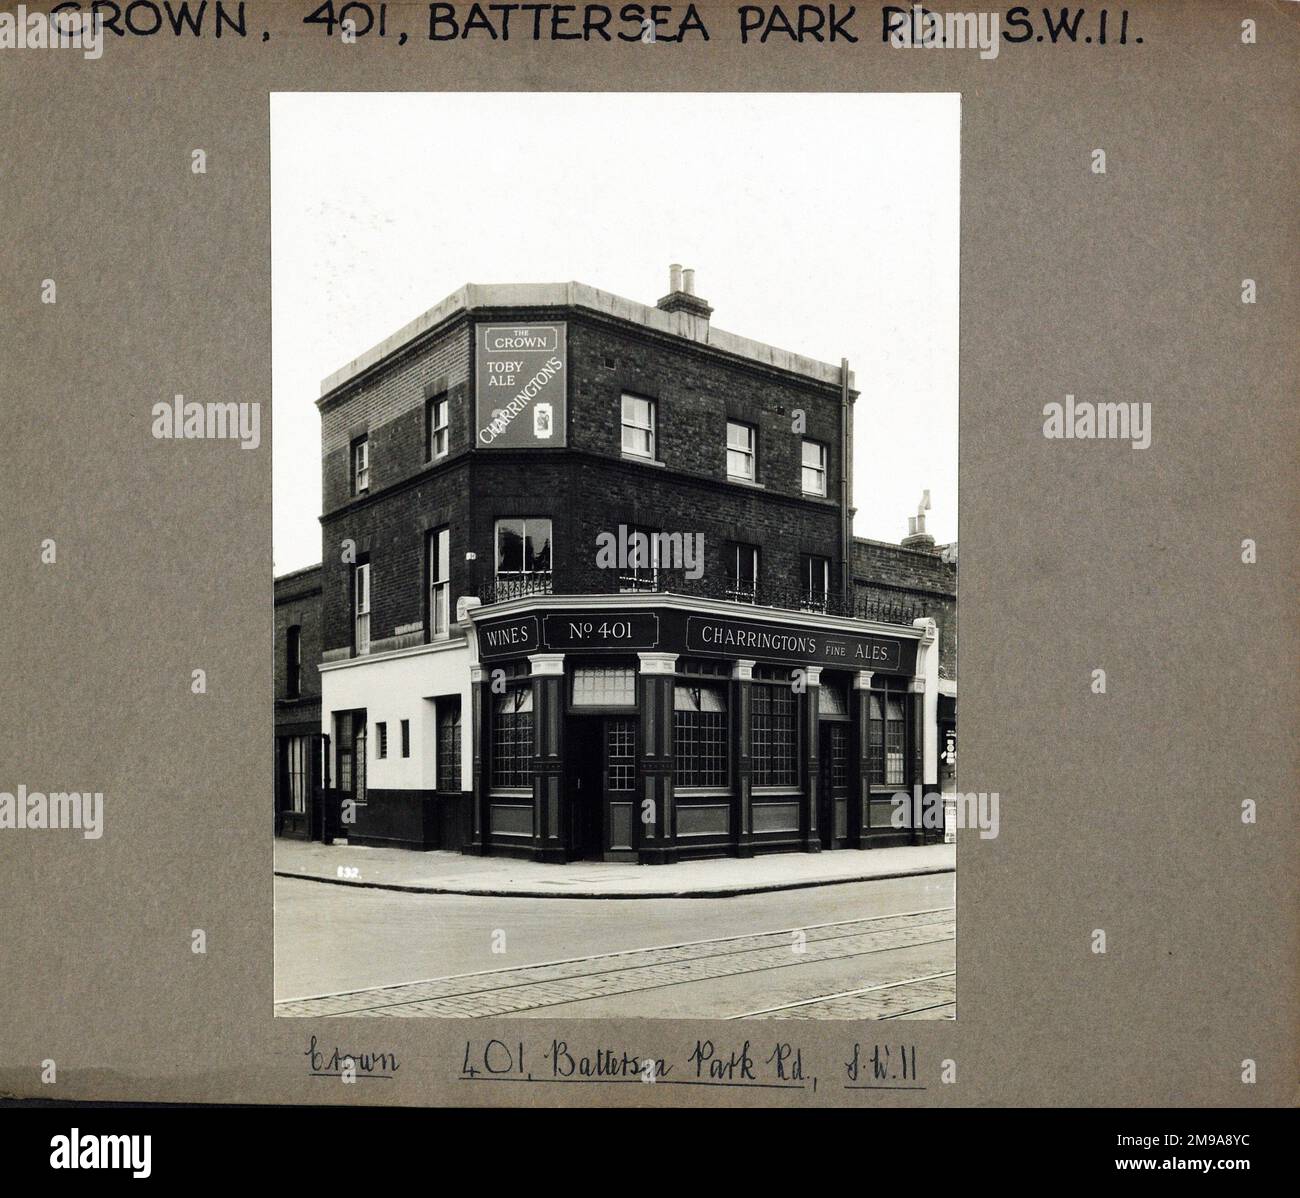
{"points": [[594, 400], [615, 519]]}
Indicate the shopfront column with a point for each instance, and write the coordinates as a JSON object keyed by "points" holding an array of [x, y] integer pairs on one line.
{"points": [[549, 825], [860, 760], [480, 706], [810, 771], [742, 818], [916, 774], [927, 668], [654, 830]]}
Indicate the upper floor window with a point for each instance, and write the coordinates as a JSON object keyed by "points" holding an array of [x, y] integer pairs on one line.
{"points": [[293, 662], [523, 553], [361, 607], [406, 738], [436, 421], [639, 426], [439, 582], [642, 569], [741, 563], [361, 466], [814, 468], [740, 450], [815, 581]]}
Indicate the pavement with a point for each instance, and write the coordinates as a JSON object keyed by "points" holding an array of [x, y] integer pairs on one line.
{"points": [[456, 873]]}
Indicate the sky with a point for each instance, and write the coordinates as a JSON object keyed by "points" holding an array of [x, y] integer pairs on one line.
{"points": [[822, 223]]}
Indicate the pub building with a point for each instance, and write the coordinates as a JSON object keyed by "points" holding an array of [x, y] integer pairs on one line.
{"points": [[589, 591]]}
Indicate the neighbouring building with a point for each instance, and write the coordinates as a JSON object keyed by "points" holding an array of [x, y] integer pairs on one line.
{"points": [[918, 573], [589, 590], [299, 775]]}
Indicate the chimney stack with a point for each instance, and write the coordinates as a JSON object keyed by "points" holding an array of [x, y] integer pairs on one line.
{"points": [[681, 295], [917, 537]]}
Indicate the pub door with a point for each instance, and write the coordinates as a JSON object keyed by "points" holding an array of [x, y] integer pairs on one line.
{"points": [[833, 782], [620, 788], [601, 774], [350, 771], [320, 788], [583, 750]]}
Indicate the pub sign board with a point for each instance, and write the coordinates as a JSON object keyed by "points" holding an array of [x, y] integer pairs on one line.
{"points": [[811, 646], [520, 385], [568, 632], [673, 631]]}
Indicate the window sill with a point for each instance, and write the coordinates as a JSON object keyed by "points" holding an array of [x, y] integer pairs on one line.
{"points": [[702, 792], [745, 482], [636, 457]]}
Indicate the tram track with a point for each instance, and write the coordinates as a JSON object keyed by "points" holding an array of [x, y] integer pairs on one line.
{"points": [[807, 1007], [550, 986]]}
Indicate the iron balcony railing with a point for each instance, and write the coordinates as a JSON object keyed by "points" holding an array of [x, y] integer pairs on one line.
{"points": [[866, 605]]}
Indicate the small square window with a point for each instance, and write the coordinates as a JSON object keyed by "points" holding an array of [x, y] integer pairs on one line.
{"points": [[604, 686]]}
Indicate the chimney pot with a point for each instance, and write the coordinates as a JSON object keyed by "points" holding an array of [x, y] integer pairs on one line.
{"points": [[682, 298]]}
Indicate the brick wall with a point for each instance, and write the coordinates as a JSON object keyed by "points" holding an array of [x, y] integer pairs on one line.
{"points": [[586, 488], [391, 532], [298, 601], [882, 568], [696, 394], [388, 407]]}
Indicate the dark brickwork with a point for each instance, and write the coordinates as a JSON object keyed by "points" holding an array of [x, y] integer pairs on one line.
{"points": [[882, 568], [388, 406], [587, 487], [390, 531], [298, 602], [696, 394]]}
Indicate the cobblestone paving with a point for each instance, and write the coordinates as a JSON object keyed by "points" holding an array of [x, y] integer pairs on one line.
{"points": [[503, 992], [930, 999]]}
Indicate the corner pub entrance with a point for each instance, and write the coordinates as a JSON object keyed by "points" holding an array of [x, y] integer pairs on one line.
{"points": [[658, 728]]}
